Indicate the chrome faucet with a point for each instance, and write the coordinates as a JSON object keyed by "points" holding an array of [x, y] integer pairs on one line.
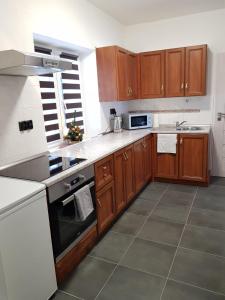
{"points": [[178, 124]]}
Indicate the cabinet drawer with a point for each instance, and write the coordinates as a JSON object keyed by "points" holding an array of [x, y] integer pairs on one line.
{"points": [[104, 172]]}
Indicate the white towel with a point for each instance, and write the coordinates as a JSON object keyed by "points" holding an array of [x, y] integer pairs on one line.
{"points": [[167, 143], [83, 201]]}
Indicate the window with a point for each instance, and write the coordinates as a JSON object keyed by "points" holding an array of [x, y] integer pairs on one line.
{"points": [[61, 97]]}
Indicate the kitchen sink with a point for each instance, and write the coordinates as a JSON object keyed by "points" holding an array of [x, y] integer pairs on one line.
{"points": [[189, 128]]}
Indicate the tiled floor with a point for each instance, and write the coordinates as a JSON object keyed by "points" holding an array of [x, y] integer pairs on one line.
{"points": [[169, 245]]}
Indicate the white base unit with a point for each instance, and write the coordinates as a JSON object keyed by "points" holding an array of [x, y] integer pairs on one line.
{"points": [[27, 269]]}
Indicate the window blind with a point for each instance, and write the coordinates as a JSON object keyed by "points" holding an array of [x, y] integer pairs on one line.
{"points": [[71, 90], [61, 97]]}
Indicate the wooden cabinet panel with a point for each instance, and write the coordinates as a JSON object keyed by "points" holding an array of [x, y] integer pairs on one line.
{"points": [[104, 172], [105, 206], [148, 157], [120, 199], [139, 165], [193, 163], [132, 61], [67, 264], [122, 74], [129, 173], [175, 62], [152, 74], [165, 164], [195, 74]]}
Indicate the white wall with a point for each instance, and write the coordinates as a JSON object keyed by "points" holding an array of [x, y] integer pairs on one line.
{"points": [[72, 21], [178, 32]]}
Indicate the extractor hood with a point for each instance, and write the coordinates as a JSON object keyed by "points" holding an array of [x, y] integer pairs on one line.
{"points": [[13, 62]]}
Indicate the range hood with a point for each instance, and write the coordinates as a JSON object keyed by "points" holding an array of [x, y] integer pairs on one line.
{"points": [[16, 63]]}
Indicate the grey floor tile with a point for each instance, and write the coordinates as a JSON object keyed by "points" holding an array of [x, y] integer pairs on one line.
{"points": [[208, 218], [141, 207], [200, 269], [127, 284], [153, 192], [160, 230], [177, 198], [158, 186], [62, 296], [89, 277], [182, 188], [180, 291], [215, 180], [204, 239], [149, 257], [129, 224], [112, 246], [176, 213], [212, 198]]}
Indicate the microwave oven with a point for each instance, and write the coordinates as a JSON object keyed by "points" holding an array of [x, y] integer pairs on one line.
{"points": [[136, 120]]}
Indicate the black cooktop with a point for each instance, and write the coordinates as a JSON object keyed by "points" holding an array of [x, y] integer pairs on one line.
{"points": [[41, 168]]}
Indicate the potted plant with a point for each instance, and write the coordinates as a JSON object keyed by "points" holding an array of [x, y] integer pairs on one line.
{"points": [[74, 134]]}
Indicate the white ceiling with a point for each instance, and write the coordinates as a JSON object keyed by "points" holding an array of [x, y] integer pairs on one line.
{"points": [[130, 12]]}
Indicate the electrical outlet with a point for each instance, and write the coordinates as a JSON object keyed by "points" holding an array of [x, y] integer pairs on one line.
{"points": [[26, 125]]}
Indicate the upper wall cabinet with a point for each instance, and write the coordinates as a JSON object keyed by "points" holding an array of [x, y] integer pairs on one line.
{"points": [[195, 70], [174, 75], [152, 79], [117, 74]]}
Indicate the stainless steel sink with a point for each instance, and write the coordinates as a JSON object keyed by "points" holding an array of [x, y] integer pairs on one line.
{"points": [[189, 128]]}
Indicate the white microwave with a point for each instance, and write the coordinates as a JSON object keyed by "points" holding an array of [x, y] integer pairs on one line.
{"points": [[136, 120]]}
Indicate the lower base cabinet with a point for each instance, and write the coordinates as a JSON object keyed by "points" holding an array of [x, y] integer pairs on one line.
{"points": [[190, 163], [105, 203]]}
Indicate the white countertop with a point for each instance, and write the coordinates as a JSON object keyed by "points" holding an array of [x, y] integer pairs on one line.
{"points": [[101, 146], [15, 191]]}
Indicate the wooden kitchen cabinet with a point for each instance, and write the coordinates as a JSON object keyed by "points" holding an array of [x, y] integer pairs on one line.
{"points": [[165, 164], [195, 70], [139, 165], [175, 72], [124, 177], [193, 163], [152, 74], [117, 74], [105, 202], [104, 172], [148, 157]]}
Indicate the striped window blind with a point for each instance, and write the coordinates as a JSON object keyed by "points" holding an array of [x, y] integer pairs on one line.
{"points": [[61, 97]]}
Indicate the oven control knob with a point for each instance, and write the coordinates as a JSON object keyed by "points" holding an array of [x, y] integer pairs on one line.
{"points": [[67, 186]]}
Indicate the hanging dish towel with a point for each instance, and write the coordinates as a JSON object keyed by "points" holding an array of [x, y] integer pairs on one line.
{"points": [[167, 143], [83, 202]]}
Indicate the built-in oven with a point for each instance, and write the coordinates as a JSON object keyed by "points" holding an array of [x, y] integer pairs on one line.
{"points": [[66, 227]]}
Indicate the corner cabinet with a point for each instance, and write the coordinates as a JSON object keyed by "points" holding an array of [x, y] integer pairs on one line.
{"points": [[117, 74], [193, 162]]}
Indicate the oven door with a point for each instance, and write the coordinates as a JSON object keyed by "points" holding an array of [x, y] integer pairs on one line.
{"points": [[139, 121], [66, 228]]}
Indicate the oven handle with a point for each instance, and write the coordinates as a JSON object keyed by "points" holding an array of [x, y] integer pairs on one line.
{"points": [[71, 198]]}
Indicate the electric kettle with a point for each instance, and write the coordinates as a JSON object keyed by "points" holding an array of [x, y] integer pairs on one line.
{"points": [[117, 125]]}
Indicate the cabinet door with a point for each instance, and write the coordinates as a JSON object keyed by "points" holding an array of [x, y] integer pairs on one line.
{"points": [[132, 62], [122, 75], [152, 74], [129, 173], [195, 74], [120, 199], [147, 157], [139, 165], [104, 172], [165, 164], [175, 59], [105, 206], [193, 157]]}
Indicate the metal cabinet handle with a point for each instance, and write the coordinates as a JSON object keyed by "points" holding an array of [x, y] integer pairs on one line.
{"points": [[181, 141], [124, 156], [99, 203], [182, 85], [162, 87], [104, 168], [186, 85]]}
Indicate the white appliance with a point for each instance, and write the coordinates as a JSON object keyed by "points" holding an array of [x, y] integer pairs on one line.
{"points": [[26, 258], [137, 120], [117, 124], [13, 62]]}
